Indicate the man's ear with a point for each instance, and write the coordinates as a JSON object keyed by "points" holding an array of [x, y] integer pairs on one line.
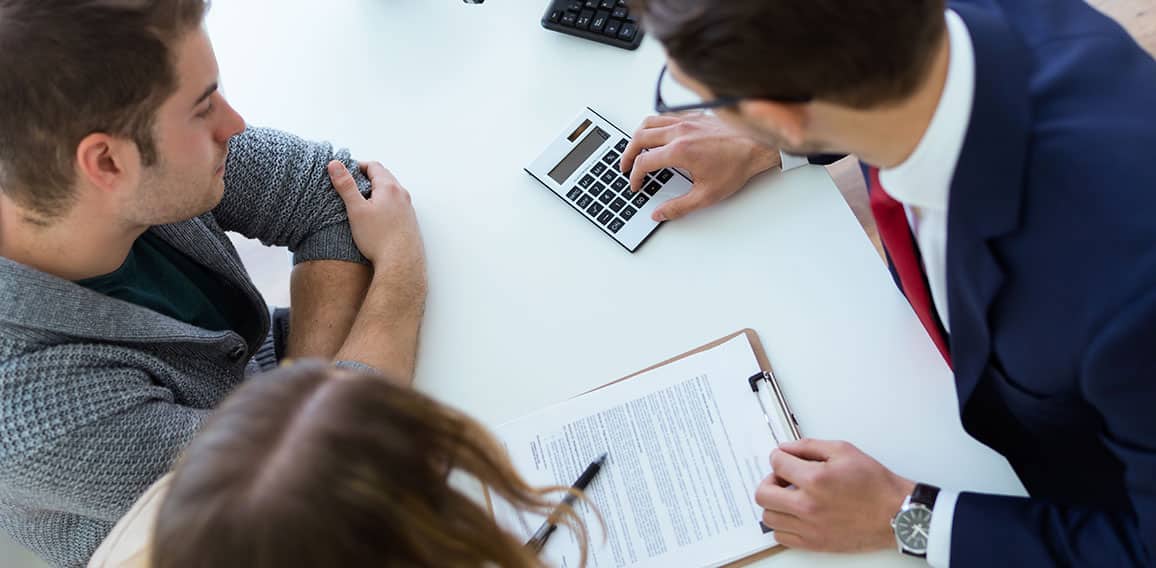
{"points": [[107, 163], [787, 121]]}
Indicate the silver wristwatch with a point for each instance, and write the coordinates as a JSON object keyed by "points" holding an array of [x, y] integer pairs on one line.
{"points": [[912, 524]]}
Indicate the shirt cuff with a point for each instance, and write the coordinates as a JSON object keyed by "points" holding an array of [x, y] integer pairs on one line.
{"points": [[939, 537], [791, 161]]}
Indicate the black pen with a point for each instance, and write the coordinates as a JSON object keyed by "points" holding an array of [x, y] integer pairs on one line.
{"points": [[543, 533]]}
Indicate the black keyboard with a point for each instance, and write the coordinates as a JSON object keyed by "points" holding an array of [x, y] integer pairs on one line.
{"points": [[603, 21]]}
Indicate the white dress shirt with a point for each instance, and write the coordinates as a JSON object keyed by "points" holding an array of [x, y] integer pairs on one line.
{"points": [[922, 183]]}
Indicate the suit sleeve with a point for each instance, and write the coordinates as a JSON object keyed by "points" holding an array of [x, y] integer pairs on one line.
{"points": [[1119, 380]]}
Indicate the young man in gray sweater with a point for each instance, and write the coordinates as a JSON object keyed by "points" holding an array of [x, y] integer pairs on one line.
{"points": [[125, 313]]}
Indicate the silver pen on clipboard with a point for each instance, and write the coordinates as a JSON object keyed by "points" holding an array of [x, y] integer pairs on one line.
{"points": [[768, 377]]}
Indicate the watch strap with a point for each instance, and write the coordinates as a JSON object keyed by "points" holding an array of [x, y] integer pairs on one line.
{"points": [[925, 495]]}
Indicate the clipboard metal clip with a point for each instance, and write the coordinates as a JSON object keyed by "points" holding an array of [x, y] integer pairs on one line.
{"points": [[768, 377]]}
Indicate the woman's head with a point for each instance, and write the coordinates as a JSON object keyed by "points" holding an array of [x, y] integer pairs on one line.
{"points": [[317, 466]]}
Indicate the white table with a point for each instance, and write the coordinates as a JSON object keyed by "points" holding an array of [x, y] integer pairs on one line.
{"points": [[528, 303]]}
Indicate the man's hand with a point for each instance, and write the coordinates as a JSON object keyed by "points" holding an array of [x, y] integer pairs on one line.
{"points": [[830, 497], [385, 333], [719, 159], [384, 224]]}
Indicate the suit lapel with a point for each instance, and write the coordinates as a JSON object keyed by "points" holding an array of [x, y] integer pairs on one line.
{"points": [[986, 190]]}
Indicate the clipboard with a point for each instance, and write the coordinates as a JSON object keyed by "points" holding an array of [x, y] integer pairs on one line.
{"points": [[763, 383], [764, 377]]}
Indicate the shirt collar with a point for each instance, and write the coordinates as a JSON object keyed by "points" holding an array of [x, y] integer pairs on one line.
{"points": [[924, 179]]}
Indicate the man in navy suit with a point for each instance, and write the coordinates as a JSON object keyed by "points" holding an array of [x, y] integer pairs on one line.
{"points": [[1010, 151]]}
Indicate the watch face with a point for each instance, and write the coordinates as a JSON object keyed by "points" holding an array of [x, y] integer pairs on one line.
{"points": [[911, 528]]}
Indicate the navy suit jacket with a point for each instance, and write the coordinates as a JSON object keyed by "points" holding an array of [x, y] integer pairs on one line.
{"points": [[1051, 271]]}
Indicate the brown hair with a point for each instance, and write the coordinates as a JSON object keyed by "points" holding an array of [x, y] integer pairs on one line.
{"points": [[302, 468], [70, 68], [860, 53]]}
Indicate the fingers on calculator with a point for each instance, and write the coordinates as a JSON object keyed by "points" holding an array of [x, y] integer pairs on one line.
{"points": [[584, 168]]}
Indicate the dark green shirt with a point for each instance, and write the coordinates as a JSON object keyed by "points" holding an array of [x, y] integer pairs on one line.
{"points": [[163, 279]]}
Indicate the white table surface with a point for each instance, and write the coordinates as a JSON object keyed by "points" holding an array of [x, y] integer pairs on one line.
{"points": [[528, 303]]}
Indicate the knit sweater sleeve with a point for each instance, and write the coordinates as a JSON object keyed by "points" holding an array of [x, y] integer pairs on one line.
{"points": [[83, 432], [277, 190]]}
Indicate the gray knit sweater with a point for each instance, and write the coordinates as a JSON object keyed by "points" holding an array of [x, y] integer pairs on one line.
{"points": [[98, 396]]}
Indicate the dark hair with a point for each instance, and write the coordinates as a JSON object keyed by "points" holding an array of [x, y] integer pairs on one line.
{"points": [[858, 53], [303, 468], [70, 68]]}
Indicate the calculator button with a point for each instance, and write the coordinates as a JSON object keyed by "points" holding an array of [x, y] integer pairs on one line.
{"points": [[596, 189], [621, 147], [640, 200], [606, 4], [651, 188], [555, 16], [574, 193], [591, 4], [586, 200], [615, 225], [617, 166], [619, 12], [568, 19], [605, 217], [627, 32], [594, 209], [628, 212], [584, 18], [612, 28], [599, 21], [574, 6], [586, 180], [608, 176], [665, 175], [609, 157], [619, 184], [617, 205], [598, 168], [606, 197]]}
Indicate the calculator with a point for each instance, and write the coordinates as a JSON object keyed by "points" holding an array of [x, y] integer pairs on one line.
{"points": [[603, 21], [582, 167]]}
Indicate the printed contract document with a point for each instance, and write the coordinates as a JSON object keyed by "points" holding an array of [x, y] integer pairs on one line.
{"points": [[688, 443]]}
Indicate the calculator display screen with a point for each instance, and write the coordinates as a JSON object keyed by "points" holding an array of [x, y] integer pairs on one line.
{"points": [[578, 155]]}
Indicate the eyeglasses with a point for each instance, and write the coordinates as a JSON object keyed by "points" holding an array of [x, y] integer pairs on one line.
{"points": [[662, 107]]}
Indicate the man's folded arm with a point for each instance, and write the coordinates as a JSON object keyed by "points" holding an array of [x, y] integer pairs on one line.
{"points": [[277, 191]]}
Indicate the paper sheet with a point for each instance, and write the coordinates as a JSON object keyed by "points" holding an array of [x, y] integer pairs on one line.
{"points": [[688, 444]]}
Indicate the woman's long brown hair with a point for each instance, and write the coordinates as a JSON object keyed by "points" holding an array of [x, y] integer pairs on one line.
{"points": [[312, 466]]}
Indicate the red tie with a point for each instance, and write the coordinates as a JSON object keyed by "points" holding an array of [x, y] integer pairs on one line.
{"points": [[891, 220]]}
